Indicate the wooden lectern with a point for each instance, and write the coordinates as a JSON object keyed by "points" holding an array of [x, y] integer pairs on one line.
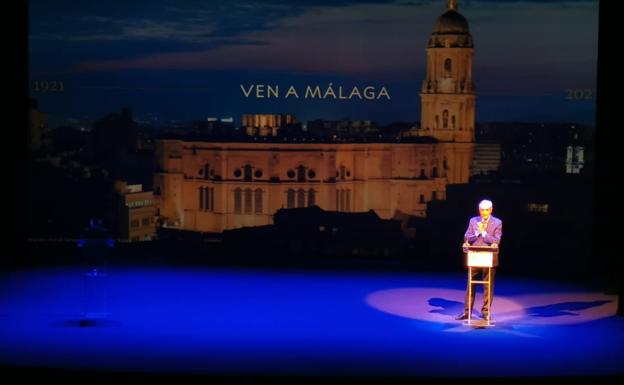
{"points": [[483, 257]]}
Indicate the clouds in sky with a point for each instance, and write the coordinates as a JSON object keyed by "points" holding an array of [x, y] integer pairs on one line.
{"points": [[528, 47], [520, 39]]}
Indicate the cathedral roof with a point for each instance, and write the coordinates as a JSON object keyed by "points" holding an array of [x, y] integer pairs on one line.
{"points": [[451, 22], [451, 29]]}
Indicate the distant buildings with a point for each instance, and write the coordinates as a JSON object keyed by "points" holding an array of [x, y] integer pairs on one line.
{"points": [[266, 124], [575, 155], [134, 212], [537, 148], [344, 128], [487, 158], [37, 127], [213, 126]]}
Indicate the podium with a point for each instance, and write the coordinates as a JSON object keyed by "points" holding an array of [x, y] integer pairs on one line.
{"points": [[95, 244], [480, 257]]}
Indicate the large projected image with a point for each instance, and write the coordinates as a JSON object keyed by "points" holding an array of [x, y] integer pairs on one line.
{"points": [[365, 129]]}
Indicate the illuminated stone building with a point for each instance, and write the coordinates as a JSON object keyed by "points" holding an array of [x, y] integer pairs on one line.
{"points": [[214, 186], [266, 124], [134, 212], [448, 92]]}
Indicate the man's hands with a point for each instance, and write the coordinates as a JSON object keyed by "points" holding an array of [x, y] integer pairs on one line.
{"points": [[481, 229]]}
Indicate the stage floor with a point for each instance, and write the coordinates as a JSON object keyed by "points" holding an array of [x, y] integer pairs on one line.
{"points": [[229, 321]]}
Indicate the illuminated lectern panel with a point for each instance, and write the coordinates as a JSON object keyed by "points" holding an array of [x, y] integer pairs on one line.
{"points": [[481, 256], [480, 259]]}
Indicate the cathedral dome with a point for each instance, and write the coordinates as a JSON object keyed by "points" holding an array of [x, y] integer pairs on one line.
{"points": [[451, 22], [451, 29]]}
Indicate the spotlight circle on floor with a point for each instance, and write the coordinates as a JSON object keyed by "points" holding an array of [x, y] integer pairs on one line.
{"points": [[442, 305]]}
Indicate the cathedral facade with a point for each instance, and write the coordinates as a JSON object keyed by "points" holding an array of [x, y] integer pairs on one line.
{"points": [[214, 186]]}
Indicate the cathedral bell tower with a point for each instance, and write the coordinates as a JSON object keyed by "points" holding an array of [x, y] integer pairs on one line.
{"points": [[448, 93]]}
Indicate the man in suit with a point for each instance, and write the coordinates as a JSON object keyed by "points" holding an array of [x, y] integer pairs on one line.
{"points": [[483, 230]]}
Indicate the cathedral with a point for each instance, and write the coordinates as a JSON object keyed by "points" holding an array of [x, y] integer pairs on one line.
{"points": [[215, 186]]}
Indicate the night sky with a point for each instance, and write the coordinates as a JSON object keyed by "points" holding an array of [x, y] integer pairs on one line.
{"points": [[177, 61]]}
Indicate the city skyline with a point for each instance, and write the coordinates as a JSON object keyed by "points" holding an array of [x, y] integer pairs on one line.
{"points": [[535, 61]]}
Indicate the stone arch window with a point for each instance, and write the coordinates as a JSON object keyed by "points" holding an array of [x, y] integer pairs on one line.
{"points": [[301, 198], [290, 198], [258, 201], [343, 200], [453, 121], [205, 171], [448, 65], [343, 172], [301, 174], [422, 198], [247, 201], [311, 197], [445, 116], [434, 173], [206, 198], [247, 173], [238, 200], [338, 196]]}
